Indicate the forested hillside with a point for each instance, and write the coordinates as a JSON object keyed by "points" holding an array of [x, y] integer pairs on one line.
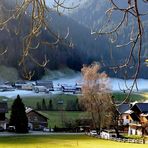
{"points": [[86, 48], [92, 14]]}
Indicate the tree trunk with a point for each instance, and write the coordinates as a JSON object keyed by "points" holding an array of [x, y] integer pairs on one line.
{"points": [[117, 132]]}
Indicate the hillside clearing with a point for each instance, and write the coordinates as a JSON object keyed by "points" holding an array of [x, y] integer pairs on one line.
{"points": [[56, 117]]}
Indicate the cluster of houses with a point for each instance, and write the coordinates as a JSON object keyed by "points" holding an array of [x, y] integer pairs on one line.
{"points": [[36, 120], [36, 86], [40, 86], [134, 118]]}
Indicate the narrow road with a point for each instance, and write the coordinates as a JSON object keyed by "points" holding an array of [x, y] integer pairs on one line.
{"points": [[35, 133]]}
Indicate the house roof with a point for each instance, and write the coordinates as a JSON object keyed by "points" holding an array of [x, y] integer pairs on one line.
{"points": [[123, 108], [28, 110], [128, 112], [3, 107], [143, 107]]}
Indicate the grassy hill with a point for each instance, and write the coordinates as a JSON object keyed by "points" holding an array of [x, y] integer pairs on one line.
{"points": [[134, 97], [56, 117], [32, 100]]}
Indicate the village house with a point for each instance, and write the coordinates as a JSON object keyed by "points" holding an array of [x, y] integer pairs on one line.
{"points": [[124, 114], [36, 121], [139, 124], [3, 111]]}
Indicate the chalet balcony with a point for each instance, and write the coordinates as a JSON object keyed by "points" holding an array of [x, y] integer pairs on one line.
{"points": [[135, 123]]}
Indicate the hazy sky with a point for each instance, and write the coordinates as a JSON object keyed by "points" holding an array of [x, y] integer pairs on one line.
{"points": [[67, 3]]}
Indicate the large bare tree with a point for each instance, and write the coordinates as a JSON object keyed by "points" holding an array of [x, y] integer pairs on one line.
{"points": [[96, 96]]}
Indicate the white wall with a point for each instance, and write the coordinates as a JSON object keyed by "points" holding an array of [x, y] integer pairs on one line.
{"points": [[3, 124], [125, 120], [105, 135], [133, 131]]}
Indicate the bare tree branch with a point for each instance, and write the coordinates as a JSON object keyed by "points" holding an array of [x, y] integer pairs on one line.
{"points": [[37, 10], [131, 10]]}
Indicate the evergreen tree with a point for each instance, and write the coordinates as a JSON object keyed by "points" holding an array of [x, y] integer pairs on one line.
{"points": [[38, 106], [77, 105], [18, 116], [44, 107], [71, 105], [50, 106]]}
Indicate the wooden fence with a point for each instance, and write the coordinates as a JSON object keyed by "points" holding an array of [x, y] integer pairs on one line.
{"points": [[138, 141]]}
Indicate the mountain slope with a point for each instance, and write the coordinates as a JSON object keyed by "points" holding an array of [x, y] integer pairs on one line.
{"points": [[92, 15], [86, 49]]}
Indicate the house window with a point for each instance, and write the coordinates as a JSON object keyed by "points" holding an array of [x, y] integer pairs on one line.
{"points": [[35, 118], [127, 117], [2, 116]]}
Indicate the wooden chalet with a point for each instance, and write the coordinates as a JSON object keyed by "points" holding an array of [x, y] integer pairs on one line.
{"points": [[124, 114], [47, 84], [36, 120], [124, 117], [139, 124]]}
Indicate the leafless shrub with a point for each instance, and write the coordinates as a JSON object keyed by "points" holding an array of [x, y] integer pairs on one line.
{"points": [[96, 96]]}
